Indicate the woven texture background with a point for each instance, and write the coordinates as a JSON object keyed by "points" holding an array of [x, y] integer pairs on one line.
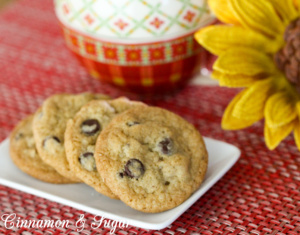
{"points": [[259, 195]]}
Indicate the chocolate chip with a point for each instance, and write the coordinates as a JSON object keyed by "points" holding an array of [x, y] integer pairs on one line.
{"points": [[56, 139], [90, 127], [19, 136], [87, 154], [87, 161], [132, 123], [166, 146], [167, 183], [121, 174], [134, 168], [50, 137]]}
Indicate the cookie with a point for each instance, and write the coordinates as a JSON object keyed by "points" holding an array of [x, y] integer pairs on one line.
{"points": [[24, 154], [152, 159], [81, 135], [49, 126]]}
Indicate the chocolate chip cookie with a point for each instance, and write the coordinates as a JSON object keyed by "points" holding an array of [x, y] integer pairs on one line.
{"points": [[81, 135], [49, 126], [152, 159], [24, 154]]}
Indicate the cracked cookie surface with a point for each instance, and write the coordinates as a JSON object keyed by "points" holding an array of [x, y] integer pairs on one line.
{"points": [[49, 126], [151, 158], [81, 135]]}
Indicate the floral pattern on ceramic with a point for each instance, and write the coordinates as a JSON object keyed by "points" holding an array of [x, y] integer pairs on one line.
{"points": [[125, 65], [144, 46], [137, 20], [133, 55]]}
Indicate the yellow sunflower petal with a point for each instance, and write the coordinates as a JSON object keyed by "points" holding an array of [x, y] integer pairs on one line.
{"points": [[251, 105], [297, 135], [286, 9], [219, 38], [297, 4], [230, 122], [273, 136], [298, 108], [223, 12], [245, 61], [280, 110], [258, 15], [234, 80]]}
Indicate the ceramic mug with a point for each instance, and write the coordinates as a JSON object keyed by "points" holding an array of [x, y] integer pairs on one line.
{"points": [[144, 46]]}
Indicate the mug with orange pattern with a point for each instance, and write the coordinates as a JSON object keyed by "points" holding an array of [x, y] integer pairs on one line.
{"points": [[144, 46]]}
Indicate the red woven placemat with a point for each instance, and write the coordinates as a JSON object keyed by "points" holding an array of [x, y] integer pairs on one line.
{"points": [[259, 195]]}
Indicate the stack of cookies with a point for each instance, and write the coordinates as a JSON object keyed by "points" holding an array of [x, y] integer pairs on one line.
{"points": [[148, 157]]}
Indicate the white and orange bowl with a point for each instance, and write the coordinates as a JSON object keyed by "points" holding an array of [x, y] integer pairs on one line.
{"points": [[144, 46]]}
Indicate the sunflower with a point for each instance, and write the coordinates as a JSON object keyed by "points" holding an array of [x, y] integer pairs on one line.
{"points": [[258, 49]]}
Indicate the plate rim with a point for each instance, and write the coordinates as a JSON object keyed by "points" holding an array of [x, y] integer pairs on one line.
{"points": [[132, 222]]}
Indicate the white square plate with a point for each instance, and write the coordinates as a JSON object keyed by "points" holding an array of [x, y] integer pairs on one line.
{"points": [[222, 157]]}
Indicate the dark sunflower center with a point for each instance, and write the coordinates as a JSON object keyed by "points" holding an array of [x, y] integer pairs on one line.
{"points": [[288, 58]]}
